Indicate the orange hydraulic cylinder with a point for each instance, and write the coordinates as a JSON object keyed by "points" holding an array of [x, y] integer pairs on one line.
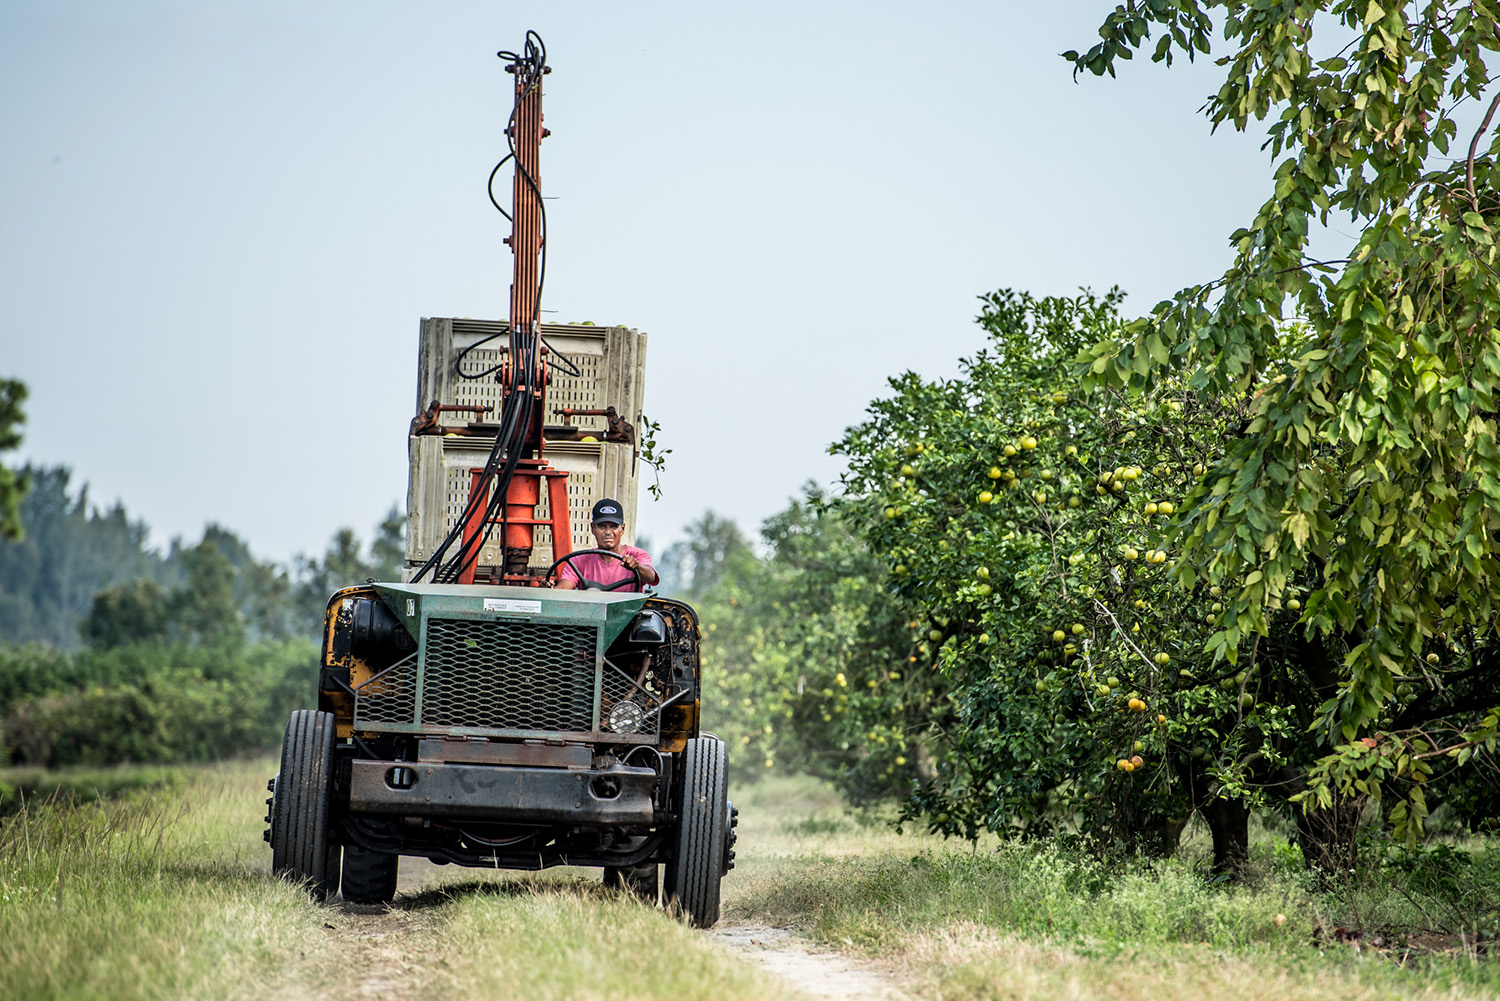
{"points": [[562, 526], [474, 526], [520, 510]]}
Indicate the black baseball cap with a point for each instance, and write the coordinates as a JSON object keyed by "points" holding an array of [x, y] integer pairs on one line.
{"points": [[608, 511]]}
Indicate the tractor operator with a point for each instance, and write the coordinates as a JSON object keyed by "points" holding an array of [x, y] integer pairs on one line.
{"points": [[607, 523]]}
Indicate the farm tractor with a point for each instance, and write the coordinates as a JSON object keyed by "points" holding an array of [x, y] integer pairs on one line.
{"points": [[471, 713]]}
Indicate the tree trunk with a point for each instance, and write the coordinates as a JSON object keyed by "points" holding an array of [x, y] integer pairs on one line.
{"points": [[1160, 836], [1229, 822], [1326, 836], [1228, 819]]}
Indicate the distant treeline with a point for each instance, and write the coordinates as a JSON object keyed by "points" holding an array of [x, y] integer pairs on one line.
{"points": [[73, 553], [111, 651]]}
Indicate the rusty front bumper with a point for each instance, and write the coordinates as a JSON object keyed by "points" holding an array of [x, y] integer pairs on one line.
{"points": [[613, 796]]}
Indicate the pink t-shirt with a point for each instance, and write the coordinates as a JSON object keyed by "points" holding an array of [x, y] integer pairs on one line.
{"points": [[605, 569]]}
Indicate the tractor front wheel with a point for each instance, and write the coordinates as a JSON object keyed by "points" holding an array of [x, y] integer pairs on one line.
{"points": [[300, 847], [697, 865]]}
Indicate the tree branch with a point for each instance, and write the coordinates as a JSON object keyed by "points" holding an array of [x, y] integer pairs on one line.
{"points": [[1150, 664], [1484, 127]]}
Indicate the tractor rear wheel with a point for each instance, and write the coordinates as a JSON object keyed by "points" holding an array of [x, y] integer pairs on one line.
{"points": [[369, 877], [697, 865], [300, 846], [639, 880]]}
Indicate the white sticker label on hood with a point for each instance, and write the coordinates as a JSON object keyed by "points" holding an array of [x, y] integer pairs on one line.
{"points": [[509, 605]]}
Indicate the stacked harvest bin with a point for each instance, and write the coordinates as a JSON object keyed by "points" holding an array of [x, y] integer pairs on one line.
{"points": [[610, 362]]}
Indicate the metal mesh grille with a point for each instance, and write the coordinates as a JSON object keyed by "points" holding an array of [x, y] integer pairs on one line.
{"points": [[509, 675], [626, 707], [390, 696]]}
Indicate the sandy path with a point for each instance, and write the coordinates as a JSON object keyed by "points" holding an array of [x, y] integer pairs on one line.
{"points": [[416, 873], [816, 974], [380, 960]]}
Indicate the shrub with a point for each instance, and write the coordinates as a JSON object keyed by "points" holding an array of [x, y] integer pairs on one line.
{"points": [[150, 703]]}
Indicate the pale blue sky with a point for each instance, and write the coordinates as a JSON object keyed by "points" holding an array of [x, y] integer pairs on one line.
{"points": [[221, 222]]}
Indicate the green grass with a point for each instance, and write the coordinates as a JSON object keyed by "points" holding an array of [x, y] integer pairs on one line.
{"points": [[597, 944], [147, 897], [966, 963], [159, 889], [165, 892], [80, 785], [962, 920], [1027, 891]]}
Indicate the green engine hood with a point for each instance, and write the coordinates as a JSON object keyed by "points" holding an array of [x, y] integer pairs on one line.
{"points": [[611, 610]]}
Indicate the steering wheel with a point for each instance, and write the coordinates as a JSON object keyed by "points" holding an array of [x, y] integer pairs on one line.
{"points": [[593, 585]]}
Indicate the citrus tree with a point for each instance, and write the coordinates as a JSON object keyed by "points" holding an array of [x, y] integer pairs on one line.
{"points": [[805, 656], [1368, 449], [1025, 527]]}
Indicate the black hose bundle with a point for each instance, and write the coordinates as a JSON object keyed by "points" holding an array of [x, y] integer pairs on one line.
{"points": [[518, 413]]}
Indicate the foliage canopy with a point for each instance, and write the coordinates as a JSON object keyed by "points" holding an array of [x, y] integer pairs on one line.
{"points": [[1368, 446]]}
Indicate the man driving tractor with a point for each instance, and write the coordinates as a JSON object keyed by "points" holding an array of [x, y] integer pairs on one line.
{"points": [[607, 523]]}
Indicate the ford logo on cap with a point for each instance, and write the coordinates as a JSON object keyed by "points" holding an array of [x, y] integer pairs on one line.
{"points": [[607, 510]]}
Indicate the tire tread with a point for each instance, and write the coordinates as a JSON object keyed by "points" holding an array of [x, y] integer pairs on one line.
{"points": [[369, 877], [695, 872], [300, 843]]}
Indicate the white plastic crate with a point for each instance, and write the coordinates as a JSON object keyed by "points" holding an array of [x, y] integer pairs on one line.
{"points": [[611, 365]]}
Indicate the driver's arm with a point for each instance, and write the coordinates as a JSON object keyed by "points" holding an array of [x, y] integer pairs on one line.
{"points": [[567, 578], [642, 567]]}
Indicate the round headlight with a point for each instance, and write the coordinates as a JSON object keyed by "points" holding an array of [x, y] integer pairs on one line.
{"points": [[626, 717]]}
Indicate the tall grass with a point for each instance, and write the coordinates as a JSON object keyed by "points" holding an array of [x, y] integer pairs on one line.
{"points": [[536, 939], [81, 785], [165, 892], [960, 915], [151, 896], [959, 963], [1031, 891]]}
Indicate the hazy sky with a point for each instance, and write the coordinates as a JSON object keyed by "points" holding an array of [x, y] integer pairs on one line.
{"points": [[221, 222]]}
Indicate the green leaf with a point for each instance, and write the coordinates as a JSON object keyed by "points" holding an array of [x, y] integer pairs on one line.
{"points": [[1157, 349]]}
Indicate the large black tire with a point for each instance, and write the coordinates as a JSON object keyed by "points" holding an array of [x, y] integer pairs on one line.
{"points": [[369, 877], [300, 846], [640, 880], [697, 865]]}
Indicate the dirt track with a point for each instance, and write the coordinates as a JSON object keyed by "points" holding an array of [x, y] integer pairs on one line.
{"points": [[816, 974], [385, 946], [379, 943]]}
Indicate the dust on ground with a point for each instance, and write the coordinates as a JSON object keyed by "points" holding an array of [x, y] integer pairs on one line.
{"points": [[382, 960]]}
